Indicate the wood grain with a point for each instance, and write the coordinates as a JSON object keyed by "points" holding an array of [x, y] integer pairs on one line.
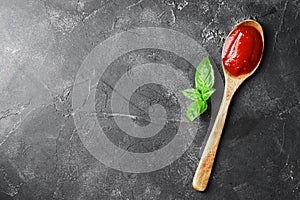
{"points": [[232, 83], [206, 162]]}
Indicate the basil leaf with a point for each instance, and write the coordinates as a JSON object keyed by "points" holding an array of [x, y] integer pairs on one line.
{"points": [[204, 77], [202, 105], [195, 109], [207, 94], [191, 93], [204, 81]]}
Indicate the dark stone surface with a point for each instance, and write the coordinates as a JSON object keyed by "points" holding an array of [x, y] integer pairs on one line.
{"points": [[43, 43]]}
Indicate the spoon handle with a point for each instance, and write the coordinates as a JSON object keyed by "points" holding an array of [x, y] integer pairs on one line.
{"points": [[205, 165]]}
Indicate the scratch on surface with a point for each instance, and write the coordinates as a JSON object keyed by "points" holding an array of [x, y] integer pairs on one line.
{"points": [[295, 72], [297, 185], [283, 135], [193, 158], [44, 85], [286, 163], [173, 20], [185, 174], [65, 94], [72, 135], [50, 92], [25, 149], [9, 112], [95, 12], [112, 88], [18, 124], [240, 187], [56, 147], [269, 12], [119, 115], [226, 170], [173, 17], [106, 98], [280, 25], [289, 109], [89, 90], [135, 4], [141, 117]]}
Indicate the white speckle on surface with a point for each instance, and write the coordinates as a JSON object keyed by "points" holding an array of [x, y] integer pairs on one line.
{"points": [[116, 193], [148, 15], [80, 6], [182, 5], [63, 22]]}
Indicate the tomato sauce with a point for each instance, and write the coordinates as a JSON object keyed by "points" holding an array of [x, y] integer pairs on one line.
{"points": [[242, 50]]}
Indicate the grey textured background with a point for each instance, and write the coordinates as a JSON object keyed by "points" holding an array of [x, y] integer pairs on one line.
{"points": [[43, 43]]}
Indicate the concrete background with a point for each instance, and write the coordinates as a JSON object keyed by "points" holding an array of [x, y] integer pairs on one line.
{"points": [[43, 43]]}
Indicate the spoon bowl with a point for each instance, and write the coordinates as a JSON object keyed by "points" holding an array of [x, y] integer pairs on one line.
{"points": [[257, 26], [232, 83]]}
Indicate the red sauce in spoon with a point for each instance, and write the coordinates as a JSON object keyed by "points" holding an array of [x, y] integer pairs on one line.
{"points": [[242, 50]]}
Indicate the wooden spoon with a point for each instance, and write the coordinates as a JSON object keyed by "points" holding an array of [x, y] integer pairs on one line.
{"points": [[232, 83]]}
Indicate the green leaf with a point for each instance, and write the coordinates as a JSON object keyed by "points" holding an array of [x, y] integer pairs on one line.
{"points": [[204, 81], [202, 106], [204, 77], [207, 94], [191, 93], [195, 109]]}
